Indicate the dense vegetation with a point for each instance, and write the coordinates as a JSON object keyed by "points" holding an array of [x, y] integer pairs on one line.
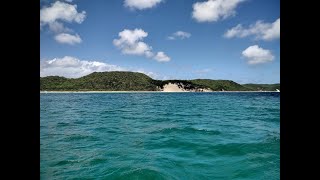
{"points": [[221, 85], [100, 81], [263, 87], [134, 81]]}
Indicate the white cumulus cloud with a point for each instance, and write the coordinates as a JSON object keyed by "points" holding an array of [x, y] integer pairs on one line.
{"points": [[179, 35], [72, 67], [58, 27], [141, 4], [261, 30], [59, 12], [161, 57], [65, 38], [256, 55], [131, 42], [214, 10]]}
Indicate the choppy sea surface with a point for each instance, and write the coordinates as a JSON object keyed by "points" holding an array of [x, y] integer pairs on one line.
{"points": [[160, 135]]}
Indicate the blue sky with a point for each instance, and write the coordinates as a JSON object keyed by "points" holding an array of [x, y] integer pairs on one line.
{"points": [[78, 37]]}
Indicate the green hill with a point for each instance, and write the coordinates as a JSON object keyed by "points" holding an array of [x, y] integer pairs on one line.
{"points": [[262, 87], [219, 85], [100, 81], [134, 81]]}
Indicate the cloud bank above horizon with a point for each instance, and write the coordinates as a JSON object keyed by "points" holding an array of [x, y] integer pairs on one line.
{"points": [[72, 67]]}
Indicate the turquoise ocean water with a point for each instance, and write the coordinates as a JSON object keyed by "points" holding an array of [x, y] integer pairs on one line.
{"points": [[160, 136]]}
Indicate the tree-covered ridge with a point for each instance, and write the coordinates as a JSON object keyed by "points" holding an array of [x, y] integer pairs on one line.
{"points": [[100, 81], [134, 81], [220, 85], [262, 87]]}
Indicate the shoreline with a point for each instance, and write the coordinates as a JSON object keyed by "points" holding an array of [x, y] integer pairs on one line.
{"points": [[45, 92]]}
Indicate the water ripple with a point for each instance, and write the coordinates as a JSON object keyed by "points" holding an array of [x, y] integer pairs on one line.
{"points": [[160, 136]]}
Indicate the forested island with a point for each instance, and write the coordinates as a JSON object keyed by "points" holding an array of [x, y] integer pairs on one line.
{"points": [[135, 81]]}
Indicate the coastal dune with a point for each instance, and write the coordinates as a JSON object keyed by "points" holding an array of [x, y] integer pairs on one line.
{"points": [[172, 88]]}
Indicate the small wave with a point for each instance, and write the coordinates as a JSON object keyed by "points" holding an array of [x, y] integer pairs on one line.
{"points": [[96, 161], [143, 174], [185, 115], [62, 124], [273, 139], [80, 137], [187, 130], [66, 162], [240, 149]]}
